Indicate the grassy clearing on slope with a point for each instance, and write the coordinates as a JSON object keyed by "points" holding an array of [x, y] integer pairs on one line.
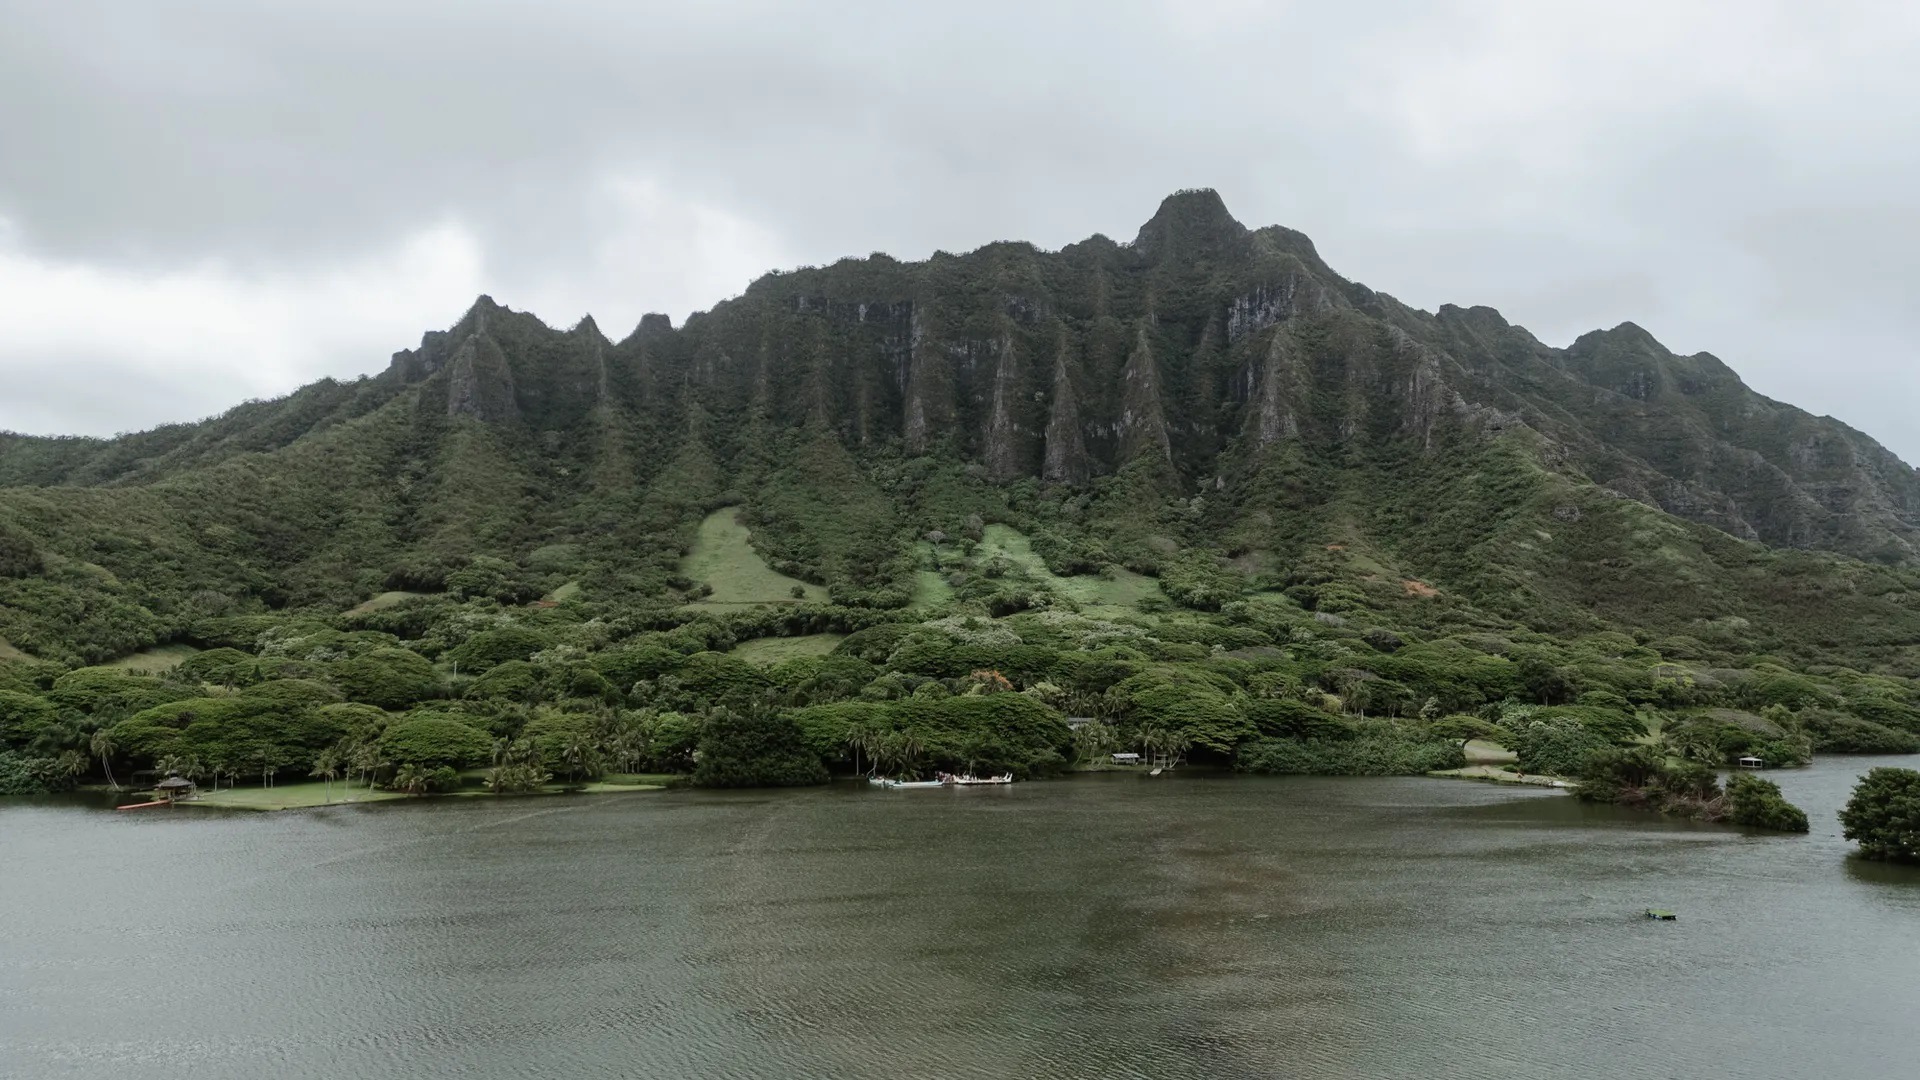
{"points": [[8, 652], [772, 650], [153, 661], [723, 558], [565, 592], [1123, 591], [384, 600], [1482, 752], [930, 588]]}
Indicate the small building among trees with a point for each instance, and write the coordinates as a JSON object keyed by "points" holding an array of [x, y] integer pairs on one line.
{"points": [[176, 787]]}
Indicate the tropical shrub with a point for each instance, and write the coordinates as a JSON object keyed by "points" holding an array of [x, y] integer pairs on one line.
{"points": [[1838, 733], [389, 678], [490, 648], [1379, 750], [1883, 815], [1555, 747], [21, 774], [24, 718], [1471, 727], [1758, 803], [747, 748], [431, 741]]}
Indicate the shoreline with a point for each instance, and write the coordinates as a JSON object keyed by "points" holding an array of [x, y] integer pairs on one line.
{"points": [[313, 795], [1493, 774]]}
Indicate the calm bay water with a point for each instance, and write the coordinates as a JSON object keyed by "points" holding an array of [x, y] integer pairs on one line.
{"points": [[1106, 926]]}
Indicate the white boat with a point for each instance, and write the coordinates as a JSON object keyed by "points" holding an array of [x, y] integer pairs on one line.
{"points": [[974, 781], [884, 782]]}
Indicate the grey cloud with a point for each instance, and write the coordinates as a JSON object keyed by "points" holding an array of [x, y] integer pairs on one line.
{"points": [[69, 395], [1574, 165]]}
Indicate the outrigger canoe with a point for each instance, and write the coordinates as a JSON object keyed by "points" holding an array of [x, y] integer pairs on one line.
{"points": [[974, 781], [944, 780]]}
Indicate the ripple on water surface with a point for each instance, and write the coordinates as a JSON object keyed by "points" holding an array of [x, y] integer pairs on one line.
{"points": [[1100, 927]]}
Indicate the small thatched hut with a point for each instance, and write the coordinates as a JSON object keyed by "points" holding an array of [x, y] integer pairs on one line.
{"points": [[175, 787]]}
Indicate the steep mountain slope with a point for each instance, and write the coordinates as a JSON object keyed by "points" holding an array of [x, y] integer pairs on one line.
{"points": [[1208, 404]]}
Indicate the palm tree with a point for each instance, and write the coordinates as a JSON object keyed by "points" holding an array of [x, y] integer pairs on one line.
{"points": [[59, 736], [1092, 739], [884, 752], [1697, 745], [861, 741], [411, 779], [1149, 737], [327, 764], [1163, 747], [366, 758], [1177, 746], [900, 752], [580, 756], [102, 745]]}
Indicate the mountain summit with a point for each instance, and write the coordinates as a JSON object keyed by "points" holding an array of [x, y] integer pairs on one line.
{"points": [[1208, 403]]}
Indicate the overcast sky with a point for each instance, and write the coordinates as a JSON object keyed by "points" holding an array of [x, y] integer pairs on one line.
{"points": [[225, 199]]}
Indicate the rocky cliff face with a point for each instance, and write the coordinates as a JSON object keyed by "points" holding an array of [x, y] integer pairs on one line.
{"points": [[1202, 349]]}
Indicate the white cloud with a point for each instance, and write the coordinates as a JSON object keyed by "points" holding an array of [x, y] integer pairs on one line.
{"points": [[93, 349], [1734, 177], [203, 337], [654, 249]]}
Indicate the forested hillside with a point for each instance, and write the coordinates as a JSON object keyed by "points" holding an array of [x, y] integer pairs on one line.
{"points": [[1196, 486]]}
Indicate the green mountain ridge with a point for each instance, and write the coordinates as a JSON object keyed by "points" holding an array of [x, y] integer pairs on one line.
{"points": [[1196, 491], [1210, 405]]}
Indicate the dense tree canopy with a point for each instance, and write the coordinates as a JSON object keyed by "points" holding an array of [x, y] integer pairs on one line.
{"points": [[1883, 815]]}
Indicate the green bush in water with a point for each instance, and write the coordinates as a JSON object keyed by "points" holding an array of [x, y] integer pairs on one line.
{"points": [[1758, 803], [1884, 815]]}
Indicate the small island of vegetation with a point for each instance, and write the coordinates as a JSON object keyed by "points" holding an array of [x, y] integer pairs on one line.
{"points": [[1884, 816]]}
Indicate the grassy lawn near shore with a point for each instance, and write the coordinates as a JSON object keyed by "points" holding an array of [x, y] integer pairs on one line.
{"points": [[1493, 774], [1494, 764], [291, 796], [312, 793], [613, 782]]}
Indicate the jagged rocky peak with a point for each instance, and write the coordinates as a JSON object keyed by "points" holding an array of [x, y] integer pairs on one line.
{"points": [[1478, 317], [1066, 459], [1193, 223], [480, 382], [477, 314], [1200, 341], [1628, 360]]}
